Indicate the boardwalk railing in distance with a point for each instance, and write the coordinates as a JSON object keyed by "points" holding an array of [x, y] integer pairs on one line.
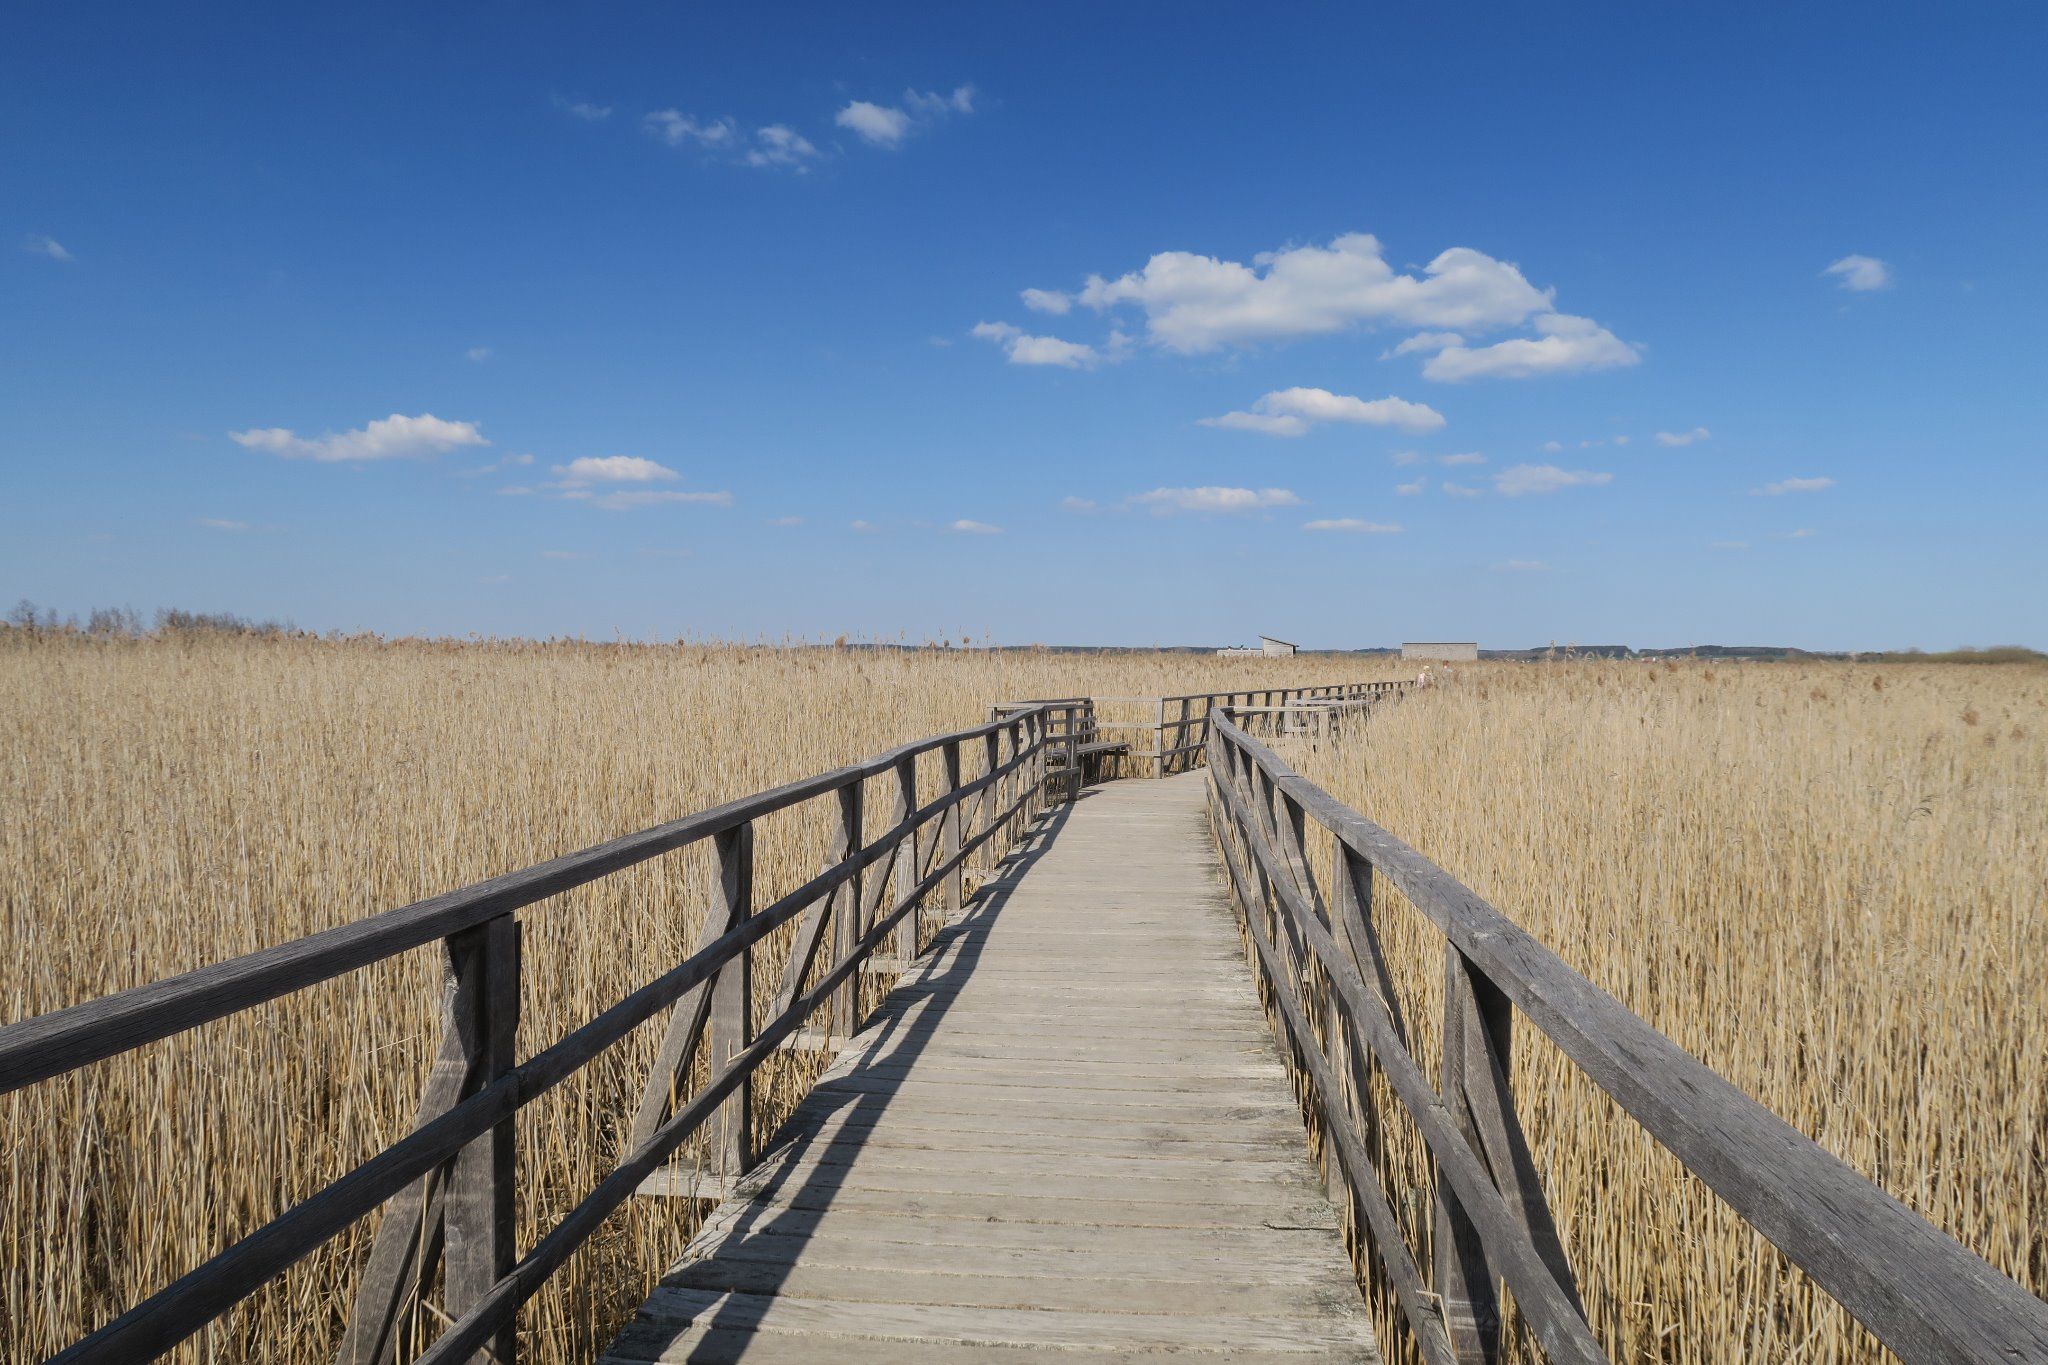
{"points": [[1325, 977], [451, 1179], [1181, 732]]}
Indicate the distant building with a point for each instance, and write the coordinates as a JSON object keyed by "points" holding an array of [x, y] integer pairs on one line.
{"points": [[1269, 648], [1447, 651]]}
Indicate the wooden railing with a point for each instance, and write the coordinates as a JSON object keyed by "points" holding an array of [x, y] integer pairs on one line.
{"points": [[1181, 732], [1322, 969], [450, 1179]]}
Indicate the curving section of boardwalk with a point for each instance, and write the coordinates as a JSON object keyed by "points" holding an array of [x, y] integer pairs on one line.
{"points": [[1066, 1131]]}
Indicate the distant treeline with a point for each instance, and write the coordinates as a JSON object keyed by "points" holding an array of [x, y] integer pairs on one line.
{"points": [[127, 623]]}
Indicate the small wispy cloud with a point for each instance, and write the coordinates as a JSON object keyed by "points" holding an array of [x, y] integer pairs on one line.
{"points": [[1860, 274], [47, 246], [1522, 566], [780, 145], [223, 524], [1047, 301], [1459, 490], [967, 526], [678, 129], [1469, 457], [1071, 503], [616, 484], [1424, 342], [1784, 486], [785, 521], [560, 554], [887, 125], [479, 354], [1410, 490], [1682, 438], [1210, 498], [1552, 447], [1291, 412], [1022, 348], [863, 527], [1523, 480], [1803, 533], [583, 109], [1353, 526], [388, 438]]}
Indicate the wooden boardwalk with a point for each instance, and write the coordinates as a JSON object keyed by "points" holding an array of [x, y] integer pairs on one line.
{"points": [[1066, 1131]]}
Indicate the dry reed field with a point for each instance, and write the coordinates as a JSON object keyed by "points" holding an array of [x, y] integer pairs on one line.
{"points": [[1825, 881], [170, 802]]}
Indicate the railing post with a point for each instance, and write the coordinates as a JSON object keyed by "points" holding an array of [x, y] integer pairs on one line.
{"points": [[481, 1185], [950, 826], [844, 911], [1159, 740], [732, 1002], [1464, 1281], [907, 862], [991, 804]]}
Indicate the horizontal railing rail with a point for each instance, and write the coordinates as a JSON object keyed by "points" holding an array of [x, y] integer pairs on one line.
{"points": [[1922, 1293], [451, 1176], [1182, 727]]}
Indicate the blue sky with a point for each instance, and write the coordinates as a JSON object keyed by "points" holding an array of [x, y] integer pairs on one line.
{"points": [[294, 301]]}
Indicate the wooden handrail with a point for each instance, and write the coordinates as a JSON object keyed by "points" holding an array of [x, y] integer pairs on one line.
{"points": [[1920, 1291], [464, 1132]]}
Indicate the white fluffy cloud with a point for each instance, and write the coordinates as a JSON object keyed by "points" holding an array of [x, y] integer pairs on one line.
{"points": [[582, 109], [1784, 486], [1354, 526], [1521, 480], [1459, 490], [1024, 349], [1465, 457], [1197, 303], [1167, 501], [1682, 438], [876, 123], [47, 246], [1412, 490], [1564, 344], [1291, 412], [1047, 301], [968, 527], [1860, 274], [223, 524], [388, 438], [1522, 566], [883, 125], [613, 469]]}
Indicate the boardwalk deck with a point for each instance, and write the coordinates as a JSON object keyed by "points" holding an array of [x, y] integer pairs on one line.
{"points": [[1066, 1131]]}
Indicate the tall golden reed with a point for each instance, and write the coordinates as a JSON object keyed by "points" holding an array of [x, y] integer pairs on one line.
{"points": [[1826, 881], [171, 802]]}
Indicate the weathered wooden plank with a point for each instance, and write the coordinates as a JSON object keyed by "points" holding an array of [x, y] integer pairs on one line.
{"points": [[1314, 1337], [1034, 1091]]}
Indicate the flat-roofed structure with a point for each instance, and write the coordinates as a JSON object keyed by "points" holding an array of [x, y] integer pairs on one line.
{"points": [[1268, 648]]}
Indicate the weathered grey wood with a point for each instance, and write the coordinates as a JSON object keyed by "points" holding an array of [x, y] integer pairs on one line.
{"points": [[480, 1203], [63, 1040], [407, 1247], [1844, 1231], [1488, 1032], [1464, 1282], [731, 1140], [1170, 1166], [907, 862]]}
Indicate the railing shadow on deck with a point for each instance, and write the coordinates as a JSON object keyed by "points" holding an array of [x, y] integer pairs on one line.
{"points": [[782, 1224]]}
